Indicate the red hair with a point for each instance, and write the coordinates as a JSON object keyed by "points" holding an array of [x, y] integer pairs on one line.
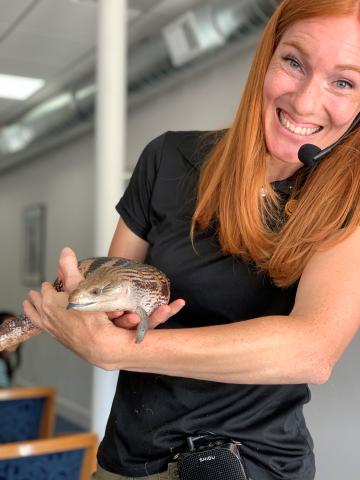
{"points": [[232, 176]]}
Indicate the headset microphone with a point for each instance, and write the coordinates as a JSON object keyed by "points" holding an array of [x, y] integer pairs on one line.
{"points": [[311, 155]]}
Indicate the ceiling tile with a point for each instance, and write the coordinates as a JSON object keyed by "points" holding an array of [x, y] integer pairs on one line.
{"points": [[63, 19], [5, 104], [42, 48], [26, 67], [11, 11]]}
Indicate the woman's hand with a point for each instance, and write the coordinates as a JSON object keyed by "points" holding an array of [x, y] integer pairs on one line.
{"points": [[85, 333], [160, 315], [80, 332]]}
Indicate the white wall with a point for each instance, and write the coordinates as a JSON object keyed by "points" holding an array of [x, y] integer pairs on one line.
{"points": [[204, 102], [63, 180]]}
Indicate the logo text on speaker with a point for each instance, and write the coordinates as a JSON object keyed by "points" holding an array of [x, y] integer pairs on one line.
{"points": [[206, 459]]}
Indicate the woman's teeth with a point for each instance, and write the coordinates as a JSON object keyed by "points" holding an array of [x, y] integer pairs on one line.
{"points": [[297, 130]]}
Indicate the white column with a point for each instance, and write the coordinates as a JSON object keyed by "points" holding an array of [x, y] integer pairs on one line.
{"points": [[110, 161]]}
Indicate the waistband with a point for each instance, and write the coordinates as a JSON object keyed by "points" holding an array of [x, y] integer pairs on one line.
{"points": [[170, 474]]}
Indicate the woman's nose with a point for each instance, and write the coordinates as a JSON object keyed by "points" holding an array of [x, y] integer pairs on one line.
{"points": [[307, 98]]}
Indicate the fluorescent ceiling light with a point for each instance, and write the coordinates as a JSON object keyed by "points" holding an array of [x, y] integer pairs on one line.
{"points": [[18, 88]]}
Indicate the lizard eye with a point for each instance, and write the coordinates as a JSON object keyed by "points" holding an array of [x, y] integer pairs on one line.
{"points": [[95, 291], [108, 288]]}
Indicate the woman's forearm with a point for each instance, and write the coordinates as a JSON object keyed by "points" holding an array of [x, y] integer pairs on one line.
{"points": [[266, 350]]}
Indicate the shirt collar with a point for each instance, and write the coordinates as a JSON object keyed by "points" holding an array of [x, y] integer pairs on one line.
{"points": [[196, 146], [282, 186]]}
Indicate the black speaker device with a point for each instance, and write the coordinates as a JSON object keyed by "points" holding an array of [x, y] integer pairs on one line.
{"points": [[217, 461]]}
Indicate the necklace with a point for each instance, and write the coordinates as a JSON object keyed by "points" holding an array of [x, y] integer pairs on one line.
{"points": [[290, 206], [262, 192]]}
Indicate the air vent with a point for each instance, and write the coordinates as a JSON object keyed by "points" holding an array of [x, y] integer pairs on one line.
{"points": [[86, 3], [191, 35]]}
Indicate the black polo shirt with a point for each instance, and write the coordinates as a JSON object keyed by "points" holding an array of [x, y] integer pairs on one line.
{"points": [[152, 414]]}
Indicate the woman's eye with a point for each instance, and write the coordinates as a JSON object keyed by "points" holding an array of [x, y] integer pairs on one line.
{"points": [[343, 84], [293, 63]]}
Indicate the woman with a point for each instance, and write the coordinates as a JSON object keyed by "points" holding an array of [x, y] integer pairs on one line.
{"points": [[269, 275]]}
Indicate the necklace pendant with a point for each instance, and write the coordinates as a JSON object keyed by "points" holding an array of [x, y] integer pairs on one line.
{"points": [[262, 192], [290, 206]]}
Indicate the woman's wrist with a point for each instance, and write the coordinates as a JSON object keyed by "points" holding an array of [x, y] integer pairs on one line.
{"points": [[114, 349]]}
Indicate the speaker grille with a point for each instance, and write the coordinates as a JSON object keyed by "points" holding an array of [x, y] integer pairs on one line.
{"points": [[214, 464]]}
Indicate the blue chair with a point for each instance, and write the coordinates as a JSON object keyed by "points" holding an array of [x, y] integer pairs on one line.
{"points": [[26, 413], [67, 457]]}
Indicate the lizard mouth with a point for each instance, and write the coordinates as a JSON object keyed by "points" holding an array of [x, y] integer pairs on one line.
{"points": [[79, 306]]}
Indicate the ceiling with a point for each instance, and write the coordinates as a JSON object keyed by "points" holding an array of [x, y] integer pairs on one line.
{"points": [[56, 40]]}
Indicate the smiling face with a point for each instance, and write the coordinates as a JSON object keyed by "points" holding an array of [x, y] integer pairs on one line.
{"points": [[311, 89]]}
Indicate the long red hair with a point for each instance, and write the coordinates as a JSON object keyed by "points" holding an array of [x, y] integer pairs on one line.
{"points": [[328, 207]]}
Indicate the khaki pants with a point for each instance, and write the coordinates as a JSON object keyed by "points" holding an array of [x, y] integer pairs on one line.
{"points": [[170, 474]]}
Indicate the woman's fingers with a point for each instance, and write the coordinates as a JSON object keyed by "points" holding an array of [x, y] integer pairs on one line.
{"points": [[128, 321], [41, 304], [34, 306], [52, 299], [163, 313], [68, 269], [31, 312], [76, 330], [160, 315], [116, 314]]}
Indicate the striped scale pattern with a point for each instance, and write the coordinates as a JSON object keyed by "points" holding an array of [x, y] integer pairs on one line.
{"points": [[149, 286]]}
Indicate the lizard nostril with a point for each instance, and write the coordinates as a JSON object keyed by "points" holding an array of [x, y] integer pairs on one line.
{"points": [[96, 291]]}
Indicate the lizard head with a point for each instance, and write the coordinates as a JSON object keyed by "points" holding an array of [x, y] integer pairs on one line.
{"points": [[102, 292]]}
